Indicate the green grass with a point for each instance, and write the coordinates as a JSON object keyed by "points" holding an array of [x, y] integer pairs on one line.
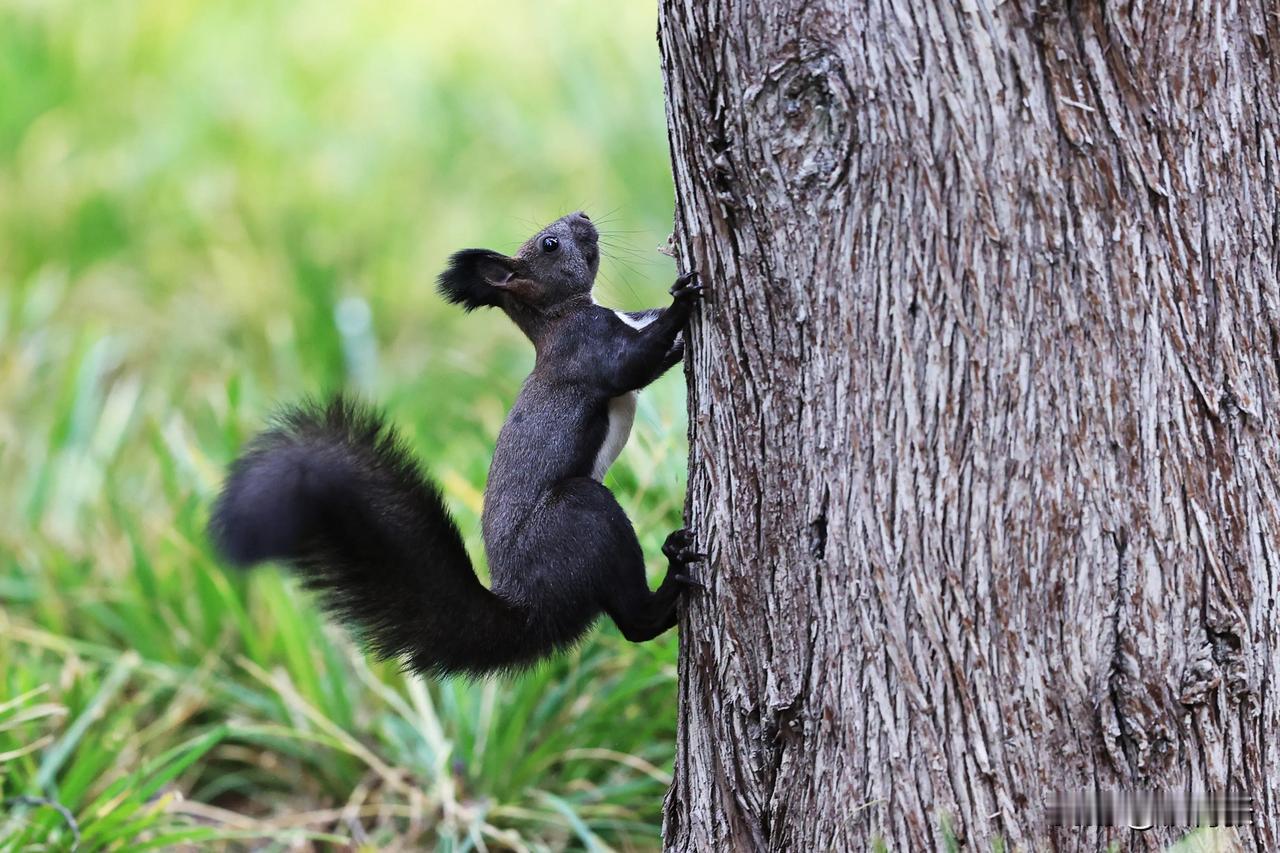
{"points": [[210, 209]]}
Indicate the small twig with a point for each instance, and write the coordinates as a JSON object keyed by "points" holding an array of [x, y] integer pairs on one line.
{"points": [[56, 806]]}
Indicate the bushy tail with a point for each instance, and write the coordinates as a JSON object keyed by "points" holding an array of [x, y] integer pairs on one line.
{"points": [[332, 492]]}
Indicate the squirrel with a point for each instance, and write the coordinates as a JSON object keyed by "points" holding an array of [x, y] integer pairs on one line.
{"points": [[332, 492]]}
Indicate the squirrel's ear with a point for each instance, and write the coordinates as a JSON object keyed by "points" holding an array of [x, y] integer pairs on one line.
{"points": [[475, 278]]}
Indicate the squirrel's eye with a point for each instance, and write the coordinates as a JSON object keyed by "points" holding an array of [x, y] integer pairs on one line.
{"points": [[550, 244]]}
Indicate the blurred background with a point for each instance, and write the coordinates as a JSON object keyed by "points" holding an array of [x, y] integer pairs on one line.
{"points": [[211, 209]]}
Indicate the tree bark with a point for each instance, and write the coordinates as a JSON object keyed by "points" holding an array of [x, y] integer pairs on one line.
{"points": [[982, 412]]}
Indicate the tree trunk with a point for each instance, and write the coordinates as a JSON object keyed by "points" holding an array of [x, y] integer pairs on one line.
{"points": [[983, 415]]}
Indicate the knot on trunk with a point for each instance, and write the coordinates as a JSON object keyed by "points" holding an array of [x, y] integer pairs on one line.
{"points": [[807, 104]]}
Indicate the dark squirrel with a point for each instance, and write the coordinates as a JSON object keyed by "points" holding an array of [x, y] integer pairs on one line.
{"points": [[332, 492]]}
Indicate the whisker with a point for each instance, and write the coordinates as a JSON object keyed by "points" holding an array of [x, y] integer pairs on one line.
{"points": [[619, 242], [607, 217], [621, 264], [630, 253], [613, 284]]}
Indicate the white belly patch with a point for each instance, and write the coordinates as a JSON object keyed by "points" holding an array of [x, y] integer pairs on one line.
{"points": [[634, 323], [622, 414]]}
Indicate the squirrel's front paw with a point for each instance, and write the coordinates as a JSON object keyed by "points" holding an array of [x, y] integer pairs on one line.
{"points": [[687, 286], [678, 549]]}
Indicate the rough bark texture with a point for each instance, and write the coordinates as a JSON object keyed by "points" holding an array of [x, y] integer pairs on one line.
{"points": [[983, 415]]}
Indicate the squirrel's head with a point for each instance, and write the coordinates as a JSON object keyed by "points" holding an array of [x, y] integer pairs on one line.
{"points": [[555, 265]]}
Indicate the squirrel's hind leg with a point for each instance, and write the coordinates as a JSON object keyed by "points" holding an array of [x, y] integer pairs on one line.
{"points": [[642, 615], [616, 564]]}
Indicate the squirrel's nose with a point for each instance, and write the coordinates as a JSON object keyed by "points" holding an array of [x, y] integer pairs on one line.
{"points": [[583, 214]]}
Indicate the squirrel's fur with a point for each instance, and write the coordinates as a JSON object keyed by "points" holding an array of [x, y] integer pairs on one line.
{"points": [[332, 492]]}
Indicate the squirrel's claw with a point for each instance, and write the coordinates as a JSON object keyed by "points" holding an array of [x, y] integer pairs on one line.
{"points": [[687, 286], [690, 579], [679, 549], [678, 542]]}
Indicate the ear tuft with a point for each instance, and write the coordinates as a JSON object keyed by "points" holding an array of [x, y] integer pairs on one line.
{"points": [[475, 278]]}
